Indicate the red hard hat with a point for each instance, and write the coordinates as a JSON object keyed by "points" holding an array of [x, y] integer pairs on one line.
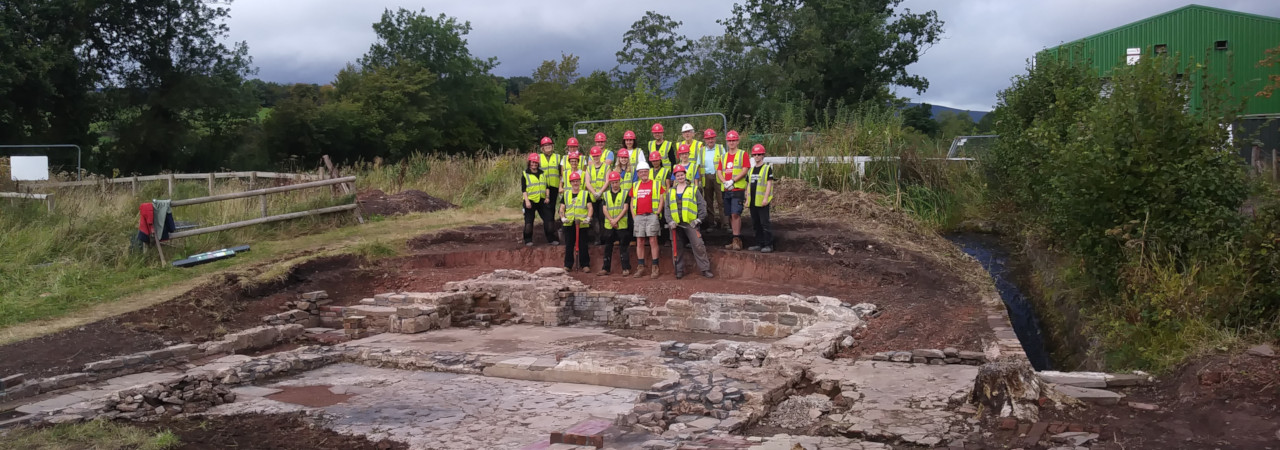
{"points": [[678, 169], [623, 153], [732, 136], [576, 176], [655, 156], [545, 141], [709, 134], [572, 142], [573, 155], [596, 151], [684, 148], [657, 128], [757, 149], [629, 135], [533, 157], [600, 137], [615, 176]]}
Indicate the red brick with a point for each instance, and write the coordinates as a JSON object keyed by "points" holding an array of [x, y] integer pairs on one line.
{"points": [[1057, 427], [557, 437], [1095, 429], [1075, 427], [1008, 423]]}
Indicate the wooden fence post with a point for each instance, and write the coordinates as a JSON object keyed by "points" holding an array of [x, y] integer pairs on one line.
{"points": [[171, 186], [134, 184], [262, 203], [48, 198], [211, 184], [253, 181]]}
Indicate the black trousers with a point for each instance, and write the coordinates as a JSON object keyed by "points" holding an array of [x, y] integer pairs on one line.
{"points": [[571, 238], [542, 210], [597, 221], [760, 222], [622, 235]]}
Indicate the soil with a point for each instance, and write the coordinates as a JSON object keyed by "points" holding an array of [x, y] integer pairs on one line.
{"points": [[263, 431], [1217, 402], [375, 202]]}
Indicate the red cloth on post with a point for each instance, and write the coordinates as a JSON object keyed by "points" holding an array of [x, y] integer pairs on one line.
{"points": [[147, 219]]}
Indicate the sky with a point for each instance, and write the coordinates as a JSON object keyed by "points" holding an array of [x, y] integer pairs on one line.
{"points": [[985, 42]]}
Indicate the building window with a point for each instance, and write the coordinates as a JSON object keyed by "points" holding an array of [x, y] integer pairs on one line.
{"points": [[1220, 45], [1161, 49]]}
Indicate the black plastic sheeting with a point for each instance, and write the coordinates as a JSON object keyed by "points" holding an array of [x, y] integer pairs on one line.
{"points": [[993, 257]]}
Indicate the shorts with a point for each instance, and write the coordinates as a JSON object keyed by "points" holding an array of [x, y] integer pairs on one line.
{"points": [[646, 226], [733, 201]]}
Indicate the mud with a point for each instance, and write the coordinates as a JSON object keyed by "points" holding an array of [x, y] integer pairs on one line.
{"points": [[375, 202], [273, 431]]}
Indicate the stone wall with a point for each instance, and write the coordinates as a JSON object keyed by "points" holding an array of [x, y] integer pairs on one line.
{"points": [[189, 394], [743, 315], [602, 308], [306, 311], [528, 295]]}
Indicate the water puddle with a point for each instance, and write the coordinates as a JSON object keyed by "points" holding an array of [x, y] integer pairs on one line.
{"points": [[995, 258]]}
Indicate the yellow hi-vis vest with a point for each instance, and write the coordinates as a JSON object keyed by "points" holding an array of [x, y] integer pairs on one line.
{"points": [[695, 153], [534, 186], [660, 175], [684, 208], [575, 207], [550, 166], [628, 179], [565, 170], [599, 177], [739, 165], [614, 203], [762, 185], [664, 150], [655, 196]]}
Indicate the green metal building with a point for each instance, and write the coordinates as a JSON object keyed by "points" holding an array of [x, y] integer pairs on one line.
{"points": [[1231, 42]]}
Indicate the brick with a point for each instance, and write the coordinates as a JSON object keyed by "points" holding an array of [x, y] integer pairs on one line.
{"points": [[1037, 431], [1075, 427], [557, 437], [1057, 427]]}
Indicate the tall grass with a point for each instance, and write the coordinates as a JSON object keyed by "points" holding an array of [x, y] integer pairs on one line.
{"points": [[462, 180], [79, 254]]}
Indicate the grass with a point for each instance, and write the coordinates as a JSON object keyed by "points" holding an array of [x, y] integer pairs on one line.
{"points": [[71, 266], [96, 435]]}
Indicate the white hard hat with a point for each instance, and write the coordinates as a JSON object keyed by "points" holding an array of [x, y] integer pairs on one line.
{"points": [[643, 165], [686, 127]]}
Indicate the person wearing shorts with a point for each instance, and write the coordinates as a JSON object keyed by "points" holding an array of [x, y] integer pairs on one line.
{"points": [[646, 207], [732, 171]]}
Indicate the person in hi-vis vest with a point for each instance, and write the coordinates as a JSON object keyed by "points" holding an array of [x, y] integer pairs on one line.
{"points": [[575, 213], [685, 209], [537, 202], [617, 226], [732, 171], [760, 199]]}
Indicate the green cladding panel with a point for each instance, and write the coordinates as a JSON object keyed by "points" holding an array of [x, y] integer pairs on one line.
{"points": [[1230, 42]]}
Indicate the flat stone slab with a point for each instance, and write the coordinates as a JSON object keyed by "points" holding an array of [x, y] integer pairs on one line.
{"points": [[443, 410], [254, 391], [1077, 379], [1096, 396], [901, 401]]}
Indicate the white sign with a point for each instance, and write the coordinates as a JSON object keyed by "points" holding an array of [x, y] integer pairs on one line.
{"points": [[1132, 55], [29, 168], [1133, 51], [582, 131]]}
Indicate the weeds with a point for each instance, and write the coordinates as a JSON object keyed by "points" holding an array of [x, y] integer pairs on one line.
{"points": [[97, 435]]}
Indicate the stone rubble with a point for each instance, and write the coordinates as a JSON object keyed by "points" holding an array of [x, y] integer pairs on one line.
{"points": [[308, 310], [189, 393], [799, 412], [932, 356]]}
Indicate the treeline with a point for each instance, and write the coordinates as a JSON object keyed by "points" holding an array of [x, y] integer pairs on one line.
{"points": [[144, 98]]}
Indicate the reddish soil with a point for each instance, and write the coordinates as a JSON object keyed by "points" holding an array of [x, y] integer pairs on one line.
{"points": [[1218, 402], [263, 431], [375, 202], [313, 396]]}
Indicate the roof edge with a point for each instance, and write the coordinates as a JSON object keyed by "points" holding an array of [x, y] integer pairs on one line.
{"points": [[1189, 7]]}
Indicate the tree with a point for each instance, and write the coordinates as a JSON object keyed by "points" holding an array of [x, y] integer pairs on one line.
{"points": [[1273, 80], [727, 76], [952, 124], [834, 51], [552, 98], [475, 114], [987, 124], [398, 101], [920, 117], [652, 50]]}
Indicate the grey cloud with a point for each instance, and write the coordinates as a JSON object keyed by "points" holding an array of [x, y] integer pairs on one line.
{"points": [[986, 42]]}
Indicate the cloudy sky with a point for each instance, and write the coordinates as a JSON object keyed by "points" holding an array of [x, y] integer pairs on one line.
{"points": [[985, 43]]}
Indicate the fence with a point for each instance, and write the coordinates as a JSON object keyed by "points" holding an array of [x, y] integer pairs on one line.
{"points": [[262, 201], [48, 198], [174, 177]]}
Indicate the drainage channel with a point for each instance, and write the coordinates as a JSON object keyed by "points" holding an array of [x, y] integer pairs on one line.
{"points": [[995, 258]]}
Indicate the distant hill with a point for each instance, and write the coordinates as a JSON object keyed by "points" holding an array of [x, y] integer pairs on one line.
{"points": [[975, 115]]}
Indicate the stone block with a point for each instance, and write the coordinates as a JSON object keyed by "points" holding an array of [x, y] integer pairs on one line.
{"points": [[408, 311], [1096, 396], [732, 327], [158, 355], [788, 319], [801, 309], [951, 352], [973, 356], [12, 380], [106, 364], [766, 330], [1127, 379], [919, 360], [1077, 379], [928, 353], [182, 350], [703, 325], [314, 295]]}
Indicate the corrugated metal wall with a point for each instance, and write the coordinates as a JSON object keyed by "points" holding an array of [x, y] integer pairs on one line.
{"points": [[1191, 33]]}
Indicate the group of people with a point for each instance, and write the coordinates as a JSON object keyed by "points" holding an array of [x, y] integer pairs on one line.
{"points": [[634, 195]]}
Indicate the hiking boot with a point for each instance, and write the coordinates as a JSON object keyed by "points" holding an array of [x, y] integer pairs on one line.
{"points": [[639, 272], [602, 273], [568, 269], [528, 244], [555, 243], [586, 270], [753, 248], [736, 244], [708, 274], [626, 272], [766, 250], [679, 275], [654, 273]]}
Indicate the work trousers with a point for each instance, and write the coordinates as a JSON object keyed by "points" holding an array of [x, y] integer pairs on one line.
{"points": [[687, 233], [597, 221], [554, 195], [582, 242], [711, 192], [623, 236], [760, 222], [548, 221]]}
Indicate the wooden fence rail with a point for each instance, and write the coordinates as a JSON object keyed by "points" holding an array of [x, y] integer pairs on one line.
{"points": [[173, 177], [48, 198], [262, 200]]}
